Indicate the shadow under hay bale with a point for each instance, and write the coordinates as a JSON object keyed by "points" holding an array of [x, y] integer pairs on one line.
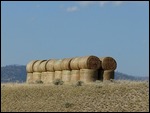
{"points": [[100, 74]]}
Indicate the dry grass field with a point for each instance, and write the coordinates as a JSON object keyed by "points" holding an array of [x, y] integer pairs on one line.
{"points": [[115, 96]]}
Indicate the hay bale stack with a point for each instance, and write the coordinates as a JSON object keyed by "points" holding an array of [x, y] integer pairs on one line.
{"points": [[29, 78], [29, 67], [36, 77], [58, 75], [74, 63], [66, 75], [89, 62], [42, 66], [108, 74], [88, 75], [65, 65], [57, 65], [75, 75], [50, 65], [47, 77], [108, 63], [36, 65]]}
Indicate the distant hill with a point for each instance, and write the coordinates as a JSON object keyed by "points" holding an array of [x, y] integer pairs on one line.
{"points": [[13, 73], [17, 73], [123, 76]]}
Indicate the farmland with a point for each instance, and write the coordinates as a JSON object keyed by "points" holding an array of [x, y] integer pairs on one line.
{"points": [[115, 96]]}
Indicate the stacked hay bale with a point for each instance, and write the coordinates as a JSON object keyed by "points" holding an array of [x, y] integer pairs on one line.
{"points": [[86, 69], [58, 70], [50, 72], [66, 70], [29, 69], [108, 65], [89, 66], [46, 76], [36, 71]]}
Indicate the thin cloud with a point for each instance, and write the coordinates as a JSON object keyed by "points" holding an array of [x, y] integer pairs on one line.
{"points": [[101, 3], [82, 4], [72, 9]]}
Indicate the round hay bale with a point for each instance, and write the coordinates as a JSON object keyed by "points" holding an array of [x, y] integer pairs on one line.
{"points": [[29, 67], [74, 63], [89, 62], [88, 75], [57, 65], [42, 66], [50, 65], [58, 75], [29, 78], [65, 65], [36, 77], [36, 65], [108, 63], [47, 77], [75, 75], [108, 74], [66, 75]]}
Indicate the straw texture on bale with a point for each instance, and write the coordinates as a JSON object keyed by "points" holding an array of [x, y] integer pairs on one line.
{"points": [[36, 65], [88, 75], [89, 62], [47, 77], [74, 63], [108, 63], [66, 75], [36, 76], [42, 66], [50, 65], [75, 75], [29, 78], [29, 67], [65, 65], [108, 74], [57, 65], [58, 75]]}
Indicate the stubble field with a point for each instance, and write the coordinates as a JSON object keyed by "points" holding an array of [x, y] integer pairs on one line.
{"points": [[115, 96]]}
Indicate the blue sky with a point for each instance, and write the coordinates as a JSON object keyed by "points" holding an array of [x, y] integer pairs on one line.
{"points": [[45, 30]]}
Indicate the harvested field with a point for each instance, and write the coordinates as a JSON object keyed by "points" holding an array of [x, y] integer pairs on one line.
{"points": [[115, 96]]}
